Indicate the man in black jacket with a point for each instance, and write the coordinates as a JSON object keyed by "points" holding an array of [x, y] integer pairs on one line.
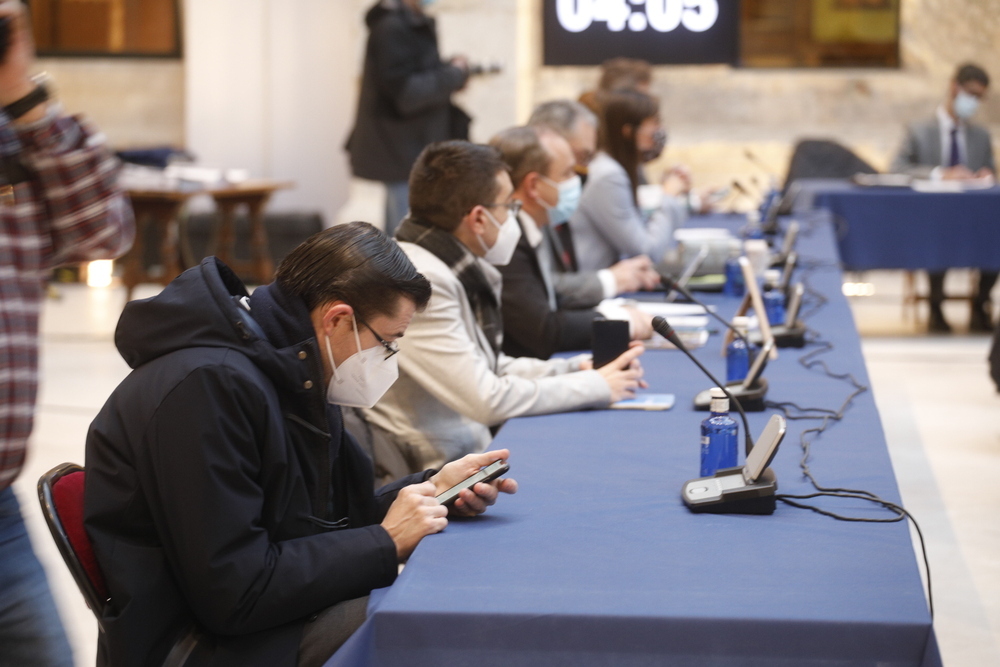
{"points": [[536, 322], [405, 102], [231, 513]]}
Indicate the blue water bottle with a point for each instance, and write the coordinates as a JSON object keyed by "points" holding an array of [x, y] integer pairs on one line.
{"points": [[774, 298], [718, 436], [738, 353], [753, 230], [735, 286]]}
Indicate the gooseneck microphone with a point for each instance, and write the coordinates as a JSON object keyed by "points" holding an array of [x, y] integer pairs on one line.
{"points": [[670, 283], [662, 327]]}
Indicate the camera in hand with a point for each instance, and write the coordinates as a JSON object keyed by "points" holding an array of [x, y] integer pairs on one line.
{"points": [[5, 25], [482, 69]]}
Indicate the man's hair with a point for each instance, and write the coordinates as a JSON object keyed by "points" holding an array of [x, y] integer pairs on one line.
{"points": [[355, 263], [624, 74], [618, 109], [449, 178], [561, 116], [971, 72], [522, 150]]}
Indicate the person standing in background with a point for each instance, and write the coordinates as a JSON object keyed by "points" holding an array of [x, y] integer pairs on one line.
{"points": [[950, 147], [405, 101], [59, 204]]}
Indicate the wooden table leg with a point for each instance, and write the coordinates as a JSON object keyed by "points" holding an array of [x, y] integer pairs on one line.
{"points": [[263, 265], [225, 235], [133, 272]]}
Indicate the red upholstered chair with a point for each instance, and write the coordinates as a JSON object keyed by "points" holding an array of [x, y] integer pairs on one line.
{"points": [[60, 491]]}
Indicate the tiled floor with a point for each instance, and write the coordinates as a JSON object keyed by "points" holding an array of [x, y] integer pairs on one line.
{"points": [[940, 412]]}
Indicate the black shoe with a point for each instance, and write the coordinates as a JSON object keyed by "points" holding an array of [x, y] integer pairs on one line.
{"points": [[937, 323], [980, 321]]}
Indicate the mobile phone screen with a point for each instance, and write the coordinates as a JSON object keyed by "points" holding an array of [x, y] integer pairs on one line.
{"points": [[487, 474], [610, 340]]}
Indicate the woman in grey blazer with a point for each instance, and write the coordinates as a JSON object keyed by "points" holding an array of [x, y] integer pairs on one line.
{"points": [[608, 225]]}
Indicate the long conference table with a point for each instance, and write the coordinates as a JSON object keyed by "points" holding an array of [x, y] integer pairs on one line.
{"points": [[899, 228], [596, 561]]}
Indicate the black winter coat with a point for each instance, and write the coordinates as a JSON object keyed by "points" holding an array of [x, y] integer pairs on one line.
{"points": [[405, 101], [222, 489]]}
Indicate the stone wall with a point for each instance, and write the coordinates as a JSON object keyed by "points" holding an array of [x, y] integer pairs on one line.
{"points": [[715, 113], [136, 102]]}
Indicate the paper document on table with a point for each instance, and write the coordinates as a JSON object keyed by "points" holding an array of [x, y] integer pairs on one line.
{"points": [[654, 308], [692, 340], [959, 185]]}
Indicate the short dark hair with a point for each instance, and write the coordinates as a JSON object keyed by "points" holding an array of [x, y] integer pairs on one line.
{"points": [[624, 74], [449, 178], [522, 150], [355, 263], [561, 116], [971, 72], [618, 109]]}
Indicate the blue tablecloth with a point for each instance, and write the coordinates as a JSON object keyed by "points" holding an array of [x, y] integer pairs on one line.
{"points": [[898, 228], [596, 561]]}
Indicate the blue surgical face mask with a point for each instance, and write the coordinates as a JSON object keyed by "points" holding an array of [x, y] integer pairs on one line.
{"points": [[427, 3], [965, 105], [569, 198]]}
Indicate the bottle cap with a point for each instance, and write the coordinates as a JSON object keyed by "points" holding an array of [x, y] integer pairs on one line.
{"points": [[720, 402], [742, 323], [772, 276]]}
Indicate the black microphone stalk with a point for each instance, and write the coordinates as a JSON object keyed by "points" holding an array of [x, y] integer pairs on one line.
{"points": [[671, 284], [662, 327]]}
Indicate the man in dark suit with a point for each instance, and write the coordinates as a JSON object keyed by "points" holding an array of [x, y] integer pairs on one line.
{"points": [[536, 322], [948, 146]]}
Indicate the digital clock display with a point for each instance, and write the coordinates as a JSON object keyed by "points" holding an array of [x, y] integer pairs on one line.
{"points": [[588, 32]]}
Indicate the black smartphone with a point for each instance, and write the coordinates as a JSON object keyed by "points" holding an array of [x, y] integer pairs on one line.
{"points": [[610, 340], [487, 474]]}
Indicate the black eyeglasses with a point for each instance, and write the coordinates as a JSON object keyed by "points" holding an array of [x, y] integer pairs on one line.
{"points": [[390, 348], [513, 206]]}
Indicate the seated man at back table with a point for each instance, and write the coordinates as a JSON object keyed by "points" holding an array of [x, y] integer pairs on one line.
{"points": [[535, 322], [456, 387], [578, 125], [948, 146]]}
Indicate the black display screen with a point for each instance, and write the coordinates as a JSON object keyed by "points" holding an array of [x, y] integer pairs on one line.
{"points": [[663, 32]]}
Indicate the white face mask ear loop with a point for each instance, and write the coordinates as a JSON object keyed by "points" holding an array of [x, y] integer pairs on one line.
{"points": [[333, 365], [357, 338]]}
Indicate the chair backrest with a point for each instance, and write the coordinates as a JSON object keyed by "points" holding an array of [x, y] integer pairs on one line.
{"points": [[60, 492], [821, 158]]}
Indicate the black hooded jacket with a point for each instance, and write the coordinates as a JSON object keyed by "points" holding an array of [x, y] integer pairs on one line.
{"points": [[222, 490], [405, 100]]}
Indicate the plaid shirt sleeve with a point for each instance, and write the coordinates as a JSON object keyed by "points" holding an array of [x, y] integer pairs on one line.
{"points": [[70, 210], [86, 214]]}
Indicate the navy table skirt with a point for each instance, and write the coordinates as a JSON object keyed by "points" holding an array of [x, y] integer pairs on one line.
{"points": [[898, 228]]}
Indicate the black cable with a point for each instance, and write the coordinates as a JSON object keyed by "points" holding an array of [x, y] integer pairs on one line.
{"points": [[826, 417], [901, 513]]}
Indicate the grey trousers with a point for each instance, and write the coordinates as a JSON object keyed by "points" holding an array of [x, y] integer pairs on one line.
{"points": [[333, 626]]}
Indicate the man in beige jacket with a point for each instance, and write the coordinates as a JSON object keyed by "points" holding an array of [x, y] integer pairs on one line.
{"points": [[455, 386]]}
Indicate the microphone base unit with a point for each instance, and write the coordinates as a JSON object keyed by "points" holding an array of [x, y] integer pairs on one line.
{"points": [[751, 399], [784, 336], [726, 492]]}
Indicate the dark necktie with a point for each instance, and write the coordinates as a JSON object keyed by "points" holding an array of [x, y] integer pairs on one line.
{"points": [[955, 158]]}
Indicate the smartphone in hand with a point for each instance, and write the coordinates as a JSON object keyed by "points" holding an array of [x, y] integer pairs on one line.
{"points": [[487, 474]]}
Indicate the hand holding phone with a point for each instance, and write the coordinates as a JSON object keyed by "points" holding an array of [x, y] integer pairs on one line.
{"points": [[487, 474]]}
